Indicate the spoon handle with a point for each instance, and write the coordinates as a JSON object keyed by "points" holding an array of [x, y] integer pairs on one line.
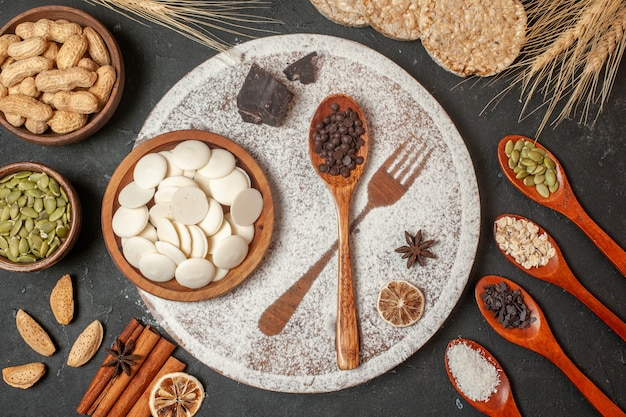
{"points": [[347, 332], [614, 322], [590, 391], [577, 214]]}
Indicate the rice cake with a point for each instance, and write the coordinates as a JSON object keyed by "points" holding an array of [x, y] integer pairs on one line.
{"points": [[473, 37], [396, 19], [345, 12]]}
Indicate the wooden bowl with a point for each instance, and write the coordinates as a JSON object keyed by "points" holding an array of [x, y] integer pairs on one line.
{"points": [[75, 218], [97, 120], [171, 289]]}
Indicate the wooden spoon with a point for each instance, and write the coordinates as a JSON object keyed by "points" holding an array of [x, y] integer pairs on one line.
{"points": [[539, 338], [341, 188], [564, 201], [557, 272], [499, 404]]}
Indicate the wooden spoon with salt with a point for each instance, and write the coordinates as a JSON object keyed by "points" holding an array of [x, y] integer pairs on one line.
{"points": [[557, 272], [341, 188], [564, 201], [538, 337], [500, 403]]}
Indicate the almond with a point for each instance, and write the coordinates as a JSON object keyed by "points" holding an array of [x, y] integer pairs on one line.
{"points": [[86, 345], [23, 376], [62, 300], [33, 334]]}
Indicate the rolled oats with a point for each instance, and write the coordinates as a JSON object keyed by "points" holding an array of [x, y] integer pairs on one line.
{"points": [[521, 239]]}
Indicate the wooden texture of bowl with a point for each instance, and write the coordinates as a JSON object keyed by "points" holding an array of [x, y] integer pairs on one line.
{"points": [[171, 290], [75, 219], [97, 120]]}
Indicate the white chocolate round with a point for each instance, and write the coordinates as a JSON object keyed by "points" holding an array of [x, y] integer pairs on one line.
{"points": [[150, 170], [157, 267], [195, 273]]}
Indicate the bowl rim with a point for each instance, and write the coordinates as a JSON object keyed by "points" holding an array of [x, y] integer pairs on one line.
{"points": [[75, 223], [171, 290], [96, 121]]}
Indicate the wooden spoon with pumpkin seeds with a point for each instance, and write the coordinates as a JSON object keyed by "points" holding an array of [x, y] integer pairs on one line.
{"points": [[563, 201]]}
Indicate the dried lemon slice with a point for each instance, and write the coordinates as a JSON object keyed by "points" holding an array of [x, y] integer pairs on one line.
{"points": [[176, 394], [400, 303]]}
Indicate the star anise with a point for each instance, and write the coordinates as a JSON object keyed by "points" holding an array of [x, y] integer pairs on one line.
{"points": [[416, 250], [123, 357]]}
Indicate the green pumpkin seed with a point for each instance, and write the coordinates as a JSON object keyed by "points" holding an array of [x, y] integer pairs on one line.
{"points": [[57, 214], [47, 227], [35, 193], [23, 233], [530, 180], [62, 232], [4, 244], [53, 246], [549, 163], [43, 249], [23, 247], [49, 204], [38, 205], [515, 156], [6, 226], [521, 175], [54, 187], [14, 247], [4, 192], [508, 148], [539, 179], [553, 188], [527, 162], [519, 144], [29, 224], [16, 227], [29, 212], [13, 196], [61, 202], [5, 214], [26, 259], [550, 178], [535, 156], [14, 211], [26, 184], [543, 190], [22, 174]]}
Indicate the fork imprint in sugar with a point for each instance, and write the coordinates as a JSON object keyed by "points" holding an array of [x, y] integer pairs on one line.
{"points": [[389, 183]]}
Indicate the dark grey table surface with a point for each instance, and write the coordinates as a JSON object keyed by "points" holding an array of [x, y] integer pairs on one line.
{"points": [[156, 58]]}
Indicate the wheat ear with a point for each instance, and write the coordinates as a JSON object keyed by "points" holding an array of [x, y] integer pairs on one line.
{"points": [[195, 19]]}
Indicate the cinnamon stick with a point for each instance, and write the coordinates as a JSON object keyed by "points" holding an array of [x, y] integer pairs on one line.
{"points": [[141, 407], [143, 377], [108, 382], [144, 345], [103, 375]]}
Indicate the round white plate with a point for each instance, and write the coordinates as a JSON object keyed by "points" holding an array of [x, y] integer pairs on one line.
{"points": [[444, 202]]}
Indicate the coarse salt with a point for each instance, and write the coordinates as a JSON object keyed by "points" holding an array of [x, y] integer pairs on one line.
{"points": [[475, 376]]}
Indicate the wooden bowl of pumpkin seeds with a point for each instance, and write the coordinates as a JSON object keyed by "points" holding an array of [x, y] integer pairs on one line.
{"points": [[40, 217]]}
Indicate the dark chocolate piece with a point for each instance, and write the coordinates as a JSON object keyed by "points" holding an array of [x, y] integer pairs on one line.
{"points": [[303, 69], [262, 98]]}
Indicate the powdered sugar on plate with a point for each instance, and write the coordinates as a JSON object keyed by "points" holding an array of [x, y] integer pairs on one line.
{"points": [[223, 332]]}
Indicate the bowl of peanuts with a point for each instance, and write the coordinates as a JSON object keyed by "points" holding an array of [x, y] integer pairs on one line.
{"points": [[40, 216], [61, 75]]}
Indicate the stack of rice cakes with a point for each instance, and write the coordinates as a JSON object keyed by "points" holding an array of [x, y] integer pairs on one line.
{"points": [[466, 37]]}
